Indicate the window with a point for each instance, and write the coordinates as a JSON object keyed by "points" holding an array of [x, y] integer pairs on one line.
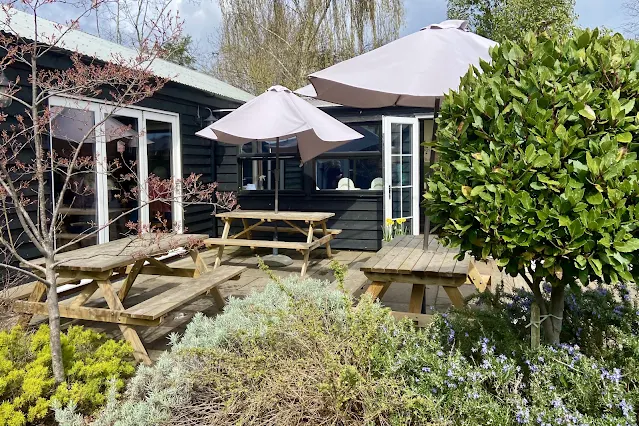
{"points": [[130, 140], [70, 126], [257, 164], [356, 165]]}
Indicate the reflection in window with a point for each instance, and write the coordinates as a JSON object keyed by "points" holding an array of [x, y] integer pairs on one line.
{"points": [[258, 166], [371, 142], [356, 165], [349, 174], [159, 140], [123, 162], [69, 127]]}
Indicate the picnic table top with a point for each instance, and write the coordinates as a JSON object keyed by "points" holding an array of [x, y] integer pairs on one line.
{"points": [[405, 255], [122, 252], [271, 215]]}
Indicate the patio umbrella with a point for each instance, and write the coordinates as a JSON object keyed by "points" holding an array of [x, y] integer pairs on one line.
{"points": [[412, 71], [280, 114], [416, 71]]}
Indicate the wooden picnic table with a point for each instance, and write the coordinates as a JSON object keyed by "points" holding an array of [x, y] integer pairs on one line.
{"points": [[293, 222], [403, 260], [127, 257]]}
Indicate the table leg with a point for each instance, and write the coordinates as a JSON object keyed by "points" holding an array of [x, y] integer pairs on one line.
{"points": [[309, 239], [416, 298], [130, 278], [84, 295], [225, 234], [329, 254], [249, 234], [130, 335], [38, 292], [377, 289], [200, 265], [455, 296]]}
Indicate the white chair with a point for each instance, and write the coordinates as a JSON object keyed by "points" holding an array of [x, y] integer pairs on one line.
{"points": [[377, 184], [345, 184]]}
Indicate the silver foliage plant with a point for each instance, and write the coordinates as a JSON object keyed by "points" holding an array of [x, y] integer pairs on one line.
{"points": [[155, 389]]}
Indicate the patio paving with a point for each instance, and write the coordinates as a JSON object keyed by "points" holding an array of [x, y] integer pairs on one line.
{"points": [[254, 280]]}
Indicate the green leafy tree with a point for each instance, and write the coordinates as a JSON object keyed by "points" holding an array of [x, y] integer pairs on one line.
{"points": [[179, 52], [511, 19], [538, 164]]}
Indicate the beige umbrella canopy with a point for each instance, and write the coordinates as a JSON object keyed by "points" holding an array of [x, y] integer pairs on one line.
{"points": [[280, 114], [412, 71]]}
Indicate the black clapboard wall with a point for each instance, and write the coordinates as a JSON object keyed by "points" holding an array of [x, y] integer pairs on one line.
{"points": [[359, 214], [198, 154]]}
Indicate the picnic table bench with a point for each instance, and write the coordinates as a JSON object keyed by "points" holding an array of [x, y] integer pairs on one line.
{"points": [[403, 260], [315, 222], [128, 258]]}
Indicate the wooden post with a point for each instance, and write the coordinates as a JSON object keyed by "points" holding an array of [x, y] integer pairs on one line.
{"points": [[535, 325], [130, 335], [307, 252], [225, 234], [329, 254]]}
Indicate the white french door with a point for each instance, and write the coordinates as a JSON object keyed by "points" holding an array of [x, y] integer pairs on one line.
{"points": [[142, 142], [401, 170]]}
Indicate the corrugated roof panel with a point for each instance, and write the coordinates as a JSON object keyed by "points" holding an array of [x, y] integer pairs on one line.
{"points": [[22, 24]]}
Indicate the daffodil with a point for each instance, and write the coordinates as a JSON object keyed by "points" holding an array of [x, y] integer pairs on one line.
{"points": [[401, 220], [389, 221]]}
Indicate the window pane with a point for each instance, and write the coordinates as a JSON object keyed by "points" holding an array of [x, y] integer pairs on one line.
{"points": [[407, 138], [70, 126], [258, 174], [330, 172], [397, 208], [159, 140], [371, 142], [349, 174], [122, 159], [406, 171], [396, 169], [407, 207], [396, 138]]}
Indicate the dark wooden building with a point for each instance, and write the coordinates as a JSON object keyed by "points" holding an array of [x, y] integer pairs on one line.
{"points": [[363, 182], [164, 126]]}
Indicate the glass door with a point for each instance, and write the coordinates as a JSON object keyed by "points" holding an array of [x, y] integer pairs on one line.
{"points": [[164, 166], [130, 147], [124, 142], [401, 171]]}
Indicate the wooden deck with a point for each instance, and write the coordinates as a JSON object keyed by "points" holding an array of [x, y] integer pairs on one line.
{"points": [[253, 280]]}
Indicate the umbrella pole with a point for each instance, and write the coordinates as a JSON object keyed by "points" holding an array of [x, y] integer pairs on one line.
{"points": [[277, 186], [431, 160]]}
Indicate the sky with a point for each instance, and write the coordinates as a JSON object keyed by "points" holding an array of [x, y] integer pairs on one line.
{"points": [[592, 13], [202, 17]]}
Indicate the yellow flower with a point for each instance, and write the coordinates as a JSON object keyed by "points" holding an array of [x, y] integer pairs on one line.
{"points": [[401, 220], [389, 221]]}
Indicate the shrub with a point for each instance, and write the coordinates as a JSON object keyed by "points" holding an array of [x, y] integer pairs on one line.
{"points": [[27, 387], [538, 163], [298, 353]]}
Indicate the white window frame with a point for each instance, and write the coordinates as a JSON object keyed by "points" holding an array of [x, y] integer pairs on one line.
{"points": [[101, 109], [387, 122]]}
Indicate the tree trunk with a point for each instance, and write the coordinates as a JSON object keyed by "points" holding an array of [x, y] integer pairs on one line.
{"points": [[552, 313], [557, 301], [54, 326]]}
